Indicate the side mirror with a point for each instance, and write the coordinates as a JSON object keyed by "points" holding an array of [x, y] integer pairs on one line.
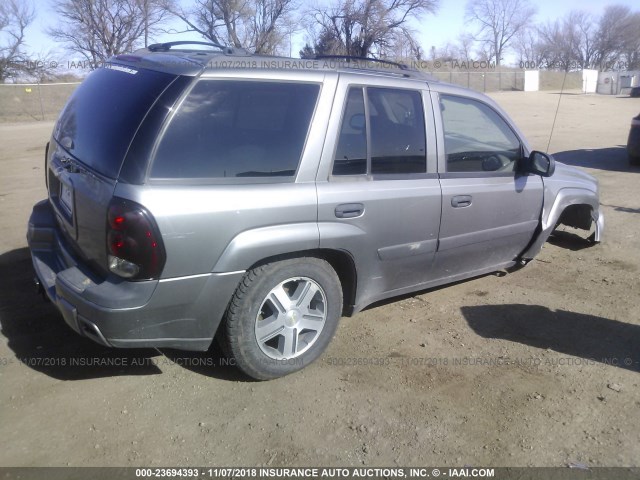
{"points": [[539, 163]]}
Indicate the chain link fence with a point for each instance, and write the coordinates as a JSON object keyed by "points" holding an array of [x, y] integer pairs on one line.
{"points": [[33, 101], [551, 80], [38, 102], [487, 81], [508, 80]]}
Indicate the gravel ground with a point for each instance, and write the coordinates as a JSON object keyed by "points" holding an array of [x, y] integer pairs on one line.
{"points": [[536, 368]]}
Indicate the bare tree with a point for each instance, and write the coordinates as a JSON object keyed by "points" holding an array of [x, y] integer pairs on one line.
{"points": [[585, 36], [525, 44], [631, 45], [15, 17], [465, 47], [568, 43], [558, 45], [362, 28], [498, 22], [215, 20], [486, 52], [270, 25], [261, 26], [618, 36], [400, 47], [41, 67], [447, 53], [579, 40], [325, 44], [99, 29]]}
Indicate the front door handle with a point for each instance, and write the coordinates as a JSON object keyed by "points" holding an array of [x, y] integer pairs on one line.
{"points": [[349, 210], [460, 201]]}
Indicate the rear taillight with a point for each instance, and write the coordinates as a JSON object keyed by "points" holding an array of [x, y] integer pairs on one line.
{"points": [[134, 245]]}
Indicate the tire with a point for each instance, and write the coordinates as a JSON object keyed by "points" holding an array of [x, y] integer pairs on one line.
{"points": [[282, 317]]}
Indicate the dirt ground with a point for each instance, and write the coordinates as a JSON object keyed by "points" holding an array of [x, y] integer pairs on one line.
{"points": [[537, 368]]}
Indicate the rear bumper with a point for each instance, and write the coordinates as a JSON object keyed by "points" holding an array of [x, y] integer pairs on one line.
{"points": [[181, 313]]}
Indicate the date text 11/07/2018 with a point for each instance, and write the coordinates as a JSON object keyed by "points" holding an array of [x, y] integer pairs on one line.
{"points": [[285, 473]]}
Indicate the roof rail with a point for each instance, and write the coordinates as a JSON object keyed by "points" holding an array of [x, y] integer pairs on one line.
{"points": [[165, 47], [350, 58]]}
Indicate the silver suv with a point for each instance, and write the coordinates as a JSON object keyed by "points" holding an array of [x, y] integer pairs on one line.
{"points": [[209, 193]]}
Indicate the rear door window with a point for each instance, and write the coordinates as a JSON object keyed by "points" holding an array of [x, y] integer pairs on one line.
{"points": [[103, 114], [237, 129], [388, 135], [398, 143], [351, 152]]}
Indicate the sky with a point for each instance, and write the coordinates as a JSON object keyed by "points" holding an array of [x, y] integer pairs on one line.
{"points": [[432, 30]]}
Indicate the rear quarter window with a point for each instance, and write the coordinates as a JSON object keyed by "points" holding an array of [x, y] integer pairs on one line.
{"points": [[237, 129], [102, 116]]}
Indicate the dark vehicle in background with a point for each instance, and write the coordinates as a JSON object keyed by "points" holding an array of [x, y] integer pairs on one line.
{"points": [[633, 144]]}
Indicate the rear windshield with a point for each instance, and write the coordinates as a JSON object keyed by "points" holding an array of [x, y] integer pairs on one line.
{"points": [[227, 129], [104, 112]]}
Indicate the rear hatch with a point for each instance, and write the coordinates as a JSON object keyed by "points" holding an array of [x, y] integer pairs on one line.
{"points": [[88, 147]]}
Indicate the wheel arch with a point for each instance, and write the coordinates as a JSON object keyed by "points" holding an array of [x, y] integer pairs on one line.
{"points": [[574, 207], [577, 215], [271, 332], [342, 263]]}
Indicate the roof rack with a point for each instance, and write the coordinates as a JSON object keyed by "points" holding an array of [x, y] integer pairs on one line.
{"points": [[165, 47], [350, 58]]}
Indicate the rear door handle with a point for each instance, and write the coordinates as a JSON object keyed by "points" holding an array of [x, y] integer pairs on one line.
{"points": [[349, 210], [460, 201]]}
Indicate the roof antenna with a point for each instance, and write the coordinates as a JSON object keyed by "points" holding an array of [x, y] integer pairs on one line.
{"points": [[566, 71]]}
